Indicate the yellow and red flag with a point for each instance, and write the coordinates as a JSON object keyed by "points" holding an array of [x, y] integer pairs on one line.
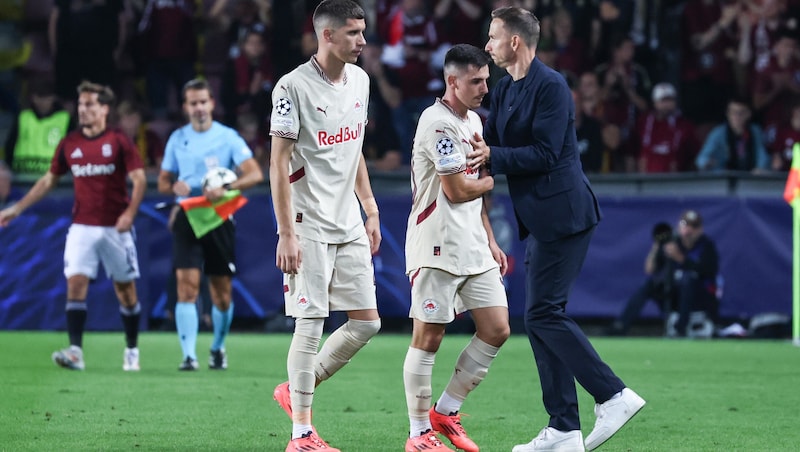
{"points": [[792, 190], [203, 215]]}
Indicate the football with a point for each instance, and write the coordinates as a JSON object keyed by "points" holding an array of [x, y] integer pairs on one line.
{"points": [[217, 177]]}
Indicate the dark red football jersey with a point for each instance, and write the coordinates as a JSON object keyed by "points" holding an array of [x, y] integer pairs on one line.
{"points": [[99, 167]]}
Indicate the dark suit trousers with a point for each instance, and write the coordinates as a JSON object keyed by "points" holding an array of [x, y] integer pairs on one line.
{"points": [[563, 353]]}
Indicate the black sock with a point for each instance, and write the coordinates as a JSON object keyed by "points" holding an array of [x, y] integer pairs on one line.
{"points": [[76, 321], [130, 322]]}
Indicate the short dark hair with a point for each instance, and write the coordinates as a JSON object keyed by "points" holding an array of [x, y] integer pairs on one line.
{"points": [[461, 56], [105, 96], [740, 100], [335, 13], [520, 22], [197, 84]]}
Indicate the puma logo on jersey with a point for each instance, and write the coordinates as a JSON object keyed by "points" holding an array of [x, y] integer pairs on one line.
{"points": [[325, 112]]}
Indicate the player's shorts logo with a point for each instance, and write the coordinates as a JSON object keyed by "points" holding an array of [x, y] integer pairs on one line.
{"points": [[283, 107], [444, 146], [430, 306], [302, 302]]}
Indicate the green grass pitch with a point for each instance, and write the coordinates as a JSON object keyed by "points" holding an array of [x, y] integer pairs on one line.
{"points": [[701, 396]]}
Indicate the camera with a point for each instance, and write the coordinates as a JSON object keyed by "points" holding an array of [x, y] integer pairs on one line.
{"points": [[662, 233]]}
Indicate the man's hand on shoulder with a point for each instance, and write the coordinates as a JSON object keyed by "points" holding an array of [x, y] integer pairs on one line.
{"points": [[480, 152]]}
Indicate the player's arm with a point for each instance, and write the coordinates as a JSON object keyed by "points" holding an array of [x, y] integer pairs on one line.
{"points": [[288, 255], [497, 253], [139, 180], [37, 192], [458, 188], [370, 206]]}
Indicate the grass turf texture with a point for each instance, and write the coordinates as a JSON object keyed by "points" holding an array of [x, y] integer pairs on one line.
{"points": [[702, 396]]}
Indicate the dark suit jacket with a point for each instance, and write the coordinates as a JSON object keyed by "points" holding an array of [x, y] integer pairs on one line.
{"points": [[532, 140]]}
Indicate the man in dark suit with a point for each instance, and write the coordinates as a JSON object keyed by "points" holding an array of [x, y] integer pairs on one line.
{"points": [[530, 137]]}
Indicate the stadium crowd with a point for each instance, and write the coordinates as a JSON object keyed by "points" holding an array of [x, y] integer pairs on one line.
{"points": [[660, 85]]}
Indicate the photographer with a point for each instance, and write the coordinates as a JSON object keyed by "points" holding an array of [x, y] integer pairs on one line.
{"points": [[682, 272]]}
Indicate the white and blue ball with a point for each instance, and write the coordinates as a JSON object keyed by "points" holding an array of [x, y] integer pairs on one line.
{"points": [[217, 177]]}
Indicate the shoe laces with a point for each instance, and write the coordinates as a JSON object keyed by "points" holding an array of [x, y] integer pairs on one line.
{"points": [[599, 411], [315, 440], [541, 437], [456, 420], [430, 437]]}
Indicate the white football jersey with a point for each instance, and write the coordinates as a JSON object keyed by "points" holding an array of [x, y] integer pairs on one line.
{"points": [[440, 234], [327, 122]]}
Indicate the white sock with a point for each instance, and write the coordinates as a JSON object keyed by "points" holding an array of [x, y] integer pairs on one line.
{"points": [[419, 427], [342, 345], [447, 405], [300, 366], [298, 430], [417, 371], [472, 366]]}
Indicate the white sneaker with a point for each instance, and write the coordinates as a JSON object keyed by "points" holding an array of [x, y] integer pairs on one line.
{"points": [[130, 360], [553, 440], [612, 415], [69, 358]]}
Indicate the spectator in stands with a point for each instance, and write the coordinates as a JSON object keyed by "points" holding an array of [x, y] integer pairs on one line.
{"points": [[149, 143], [615, 19], [737, 145], [247, 83], [590, 137], [777, 87], [249, 127], [411, 48], [381, 145], [169, 38], [681, 275], [572, 58], [760, 23], [782, 148], [247, 16], [86, 40], [36, 131], [664, 141], [708, 41], [15, 51], [591, 104], [460, 20], [625, 87], [591, 97], [8, 193]]}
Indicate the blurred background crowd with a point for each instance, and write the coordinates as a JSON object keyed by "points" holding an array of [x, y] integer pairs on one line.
{"points": [[659, 85]]}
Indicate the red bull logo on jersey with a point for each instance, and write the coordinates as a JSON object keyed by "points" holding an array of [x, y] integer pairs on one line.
{"points": [[430, 306], [343, 135], [302, 302], [91, 169]]}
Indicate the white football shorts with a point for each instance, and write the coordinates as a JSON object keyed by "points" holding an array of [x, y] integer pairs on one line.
{"points": [[87, 246], [332, 277], [437, 296]]}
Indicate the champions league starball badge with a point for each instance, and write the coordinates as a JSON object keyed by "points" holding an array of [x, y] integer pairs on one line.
{"points": [[444, 146], [284, 106]]}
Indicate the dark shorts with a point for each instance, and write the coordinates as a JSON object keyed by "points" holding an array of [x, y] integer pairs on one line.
{"points": [[214, 253]]}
